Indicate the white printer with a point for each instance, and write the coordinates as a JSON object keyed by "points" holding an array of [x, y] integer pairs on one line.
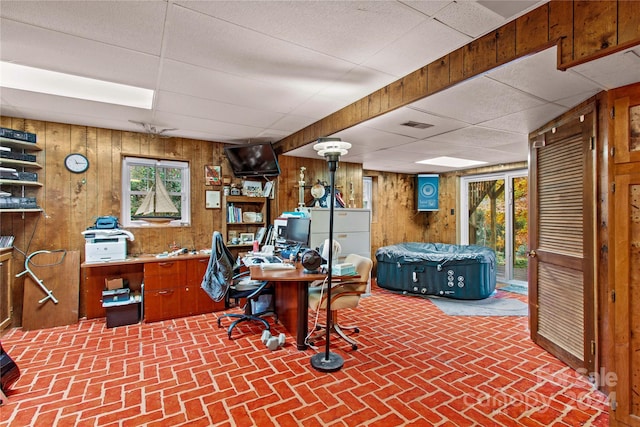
{"points": [[106, 245]]}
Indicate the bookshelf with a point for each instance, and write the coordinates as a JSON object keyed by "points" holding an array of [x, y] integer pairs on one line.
{"points": [[244, 216]]}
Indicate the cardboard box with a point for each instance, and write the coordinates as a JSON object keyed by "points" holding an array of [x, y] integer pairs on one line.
{"points": [[113, 283]]}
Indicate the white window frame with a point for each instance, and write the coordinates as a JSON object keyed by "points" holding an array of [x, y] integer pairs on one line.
{"points": [[185, 214]]}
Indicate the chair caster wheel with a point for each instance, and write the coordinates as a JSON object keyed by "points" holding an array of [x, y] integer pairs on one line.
{"points": [[355, 331], [354, 347], [318, 327]]}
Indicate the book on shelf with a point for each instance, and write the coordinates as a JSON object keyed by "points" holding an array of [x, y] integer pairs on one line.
{"points": [[234, 214]]}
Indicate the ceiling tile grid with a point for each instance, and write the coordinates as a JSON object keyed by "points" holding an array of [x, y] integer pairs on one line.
{"points": [[241, 71]]}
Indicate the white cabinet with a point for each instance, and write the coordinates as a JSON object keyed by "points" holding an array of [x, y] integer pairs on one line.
{"points": [[351, 228]]}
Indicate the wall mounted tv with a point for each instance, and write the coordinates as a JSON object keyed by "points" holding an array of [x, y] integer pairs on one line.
{"points": [[252, 160]]}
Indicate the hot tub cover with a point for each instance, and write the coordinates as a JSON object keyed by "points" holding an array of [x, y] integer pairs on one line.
{"points": [[415, 252]]}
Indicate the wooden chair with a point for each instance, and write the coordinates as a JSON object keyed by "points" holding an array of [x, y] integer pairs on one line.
{"points": [[344, 294]]}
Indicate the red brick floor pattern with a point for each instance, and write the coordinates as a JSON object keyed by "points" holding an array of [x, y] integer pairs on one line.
{"points": [[414, 366]]}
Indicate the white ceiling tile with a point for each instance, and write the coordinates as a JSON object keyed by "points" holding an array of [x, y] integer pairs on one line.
{"points": [[424, 44], [368, 139], [469, 18], [223, 132], [393, 122], [507, 9], [197, 81], [218, 45], [539, 76], [576, 99], [169, 102], [53, 108], [350, 30], [424, 149], [478, 137], [619, 69], [429, 8], [42, 48], [528, 120], [291, 123], [318, 106], [477, 100], [355, 84], [135, 25]]}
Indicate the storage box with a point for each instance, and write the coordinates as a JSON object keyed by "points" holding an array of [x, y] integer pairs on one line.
{"points": [[264, 303], [115, 295], [113, 283], [120, 315], [344, 269]]}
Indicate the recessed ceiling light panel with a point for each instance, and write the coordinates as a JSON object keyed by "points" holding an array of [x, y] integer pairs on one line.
{"points": [[31, 79], [452, 162]]}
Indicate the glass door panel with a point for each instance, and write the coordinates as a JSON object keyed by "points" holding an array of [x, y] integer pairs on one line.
{"points": [[486, 217], [520, 228]]}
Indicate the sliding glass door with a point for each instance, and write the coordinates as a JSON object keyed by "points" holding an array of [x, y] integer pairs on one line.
{"points": [[494, 214]]}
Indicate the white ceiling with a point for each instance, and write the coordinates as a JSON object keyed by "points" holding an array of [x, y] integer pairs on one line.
{"points": [[238, 71]]}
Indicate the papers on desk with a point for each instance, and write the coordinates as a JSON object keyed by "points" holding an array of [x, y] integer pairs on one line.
{"points": [[250, 260], [277, 266]]}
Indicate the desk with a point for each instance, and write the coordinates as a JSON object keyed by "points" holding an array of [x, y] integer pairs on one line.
{"points": [[171, 285], [292, 297]]}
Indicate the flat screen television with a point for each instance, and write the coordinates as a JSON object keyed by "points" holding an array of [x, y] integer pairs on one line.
{"points": [[252, 160]]}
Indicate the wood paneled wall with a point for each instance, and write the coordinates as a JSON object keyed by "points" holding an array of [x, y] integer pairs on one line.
{"points": [[71, 202], [583, 30], [394, 212]]}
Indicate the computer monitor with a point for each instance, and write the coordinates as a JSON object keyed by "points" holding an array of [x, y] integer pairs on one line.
{"points": [[298, 230]]}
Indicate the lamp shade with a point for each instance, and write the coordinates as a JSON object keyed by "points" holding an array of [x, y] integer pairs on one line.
{"points": [[331, 146]]}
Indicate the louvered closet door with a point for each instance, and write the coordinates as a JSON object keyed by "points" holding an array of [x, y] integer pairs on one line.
{"points": [[561, 240]]}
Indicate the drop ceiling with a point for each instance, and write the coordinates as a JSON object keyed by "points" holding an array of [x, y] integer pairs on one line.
{"points": [[242, 71]]}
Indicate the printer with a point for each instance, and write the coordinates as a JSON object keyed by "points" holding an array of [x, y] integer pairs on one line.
{"points": [[106, 245]]}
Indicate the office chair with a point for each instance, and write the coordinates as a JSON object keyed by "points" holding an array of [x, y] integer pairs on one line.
{"points": [[242, 287], [344, 294]]}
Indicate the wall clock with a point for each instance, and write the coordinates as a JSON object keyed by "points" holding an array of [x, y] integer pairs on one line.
{"points": [[76, 163]]}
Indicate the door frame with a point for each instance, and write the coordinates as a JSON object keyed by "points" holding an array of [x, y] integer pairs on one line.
{"points": [[507, 176]]}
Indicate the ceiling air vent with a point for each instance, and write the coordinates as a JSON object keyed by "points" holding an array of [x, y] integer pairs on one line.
{"points": [[417, 125]]}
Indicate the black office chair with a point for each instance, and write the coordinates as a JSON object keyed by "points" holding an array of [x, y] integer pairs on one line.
{"points": [[251, 291]]}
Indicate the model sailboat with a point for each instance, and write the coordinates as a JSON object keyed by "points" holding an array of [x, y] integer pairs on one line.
{"points": [[157, 201]]}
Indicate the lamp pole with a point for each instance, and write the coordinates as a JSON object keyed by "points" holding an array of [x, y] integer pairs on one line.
{"points": [[331, 149]]}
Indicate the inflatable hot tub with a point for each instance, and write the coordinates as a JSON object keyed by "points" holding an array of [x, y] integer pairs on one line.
{"points": [[454, 271]]}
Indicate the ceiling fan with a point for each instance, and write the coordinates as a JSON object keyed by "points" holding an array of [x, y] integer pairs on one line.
{"points": [[154, 131]]}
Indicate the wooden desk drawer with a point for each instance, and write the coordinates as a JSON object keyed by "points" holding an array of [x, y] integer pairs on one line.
{"points": [[162, 304], [164, 267]]}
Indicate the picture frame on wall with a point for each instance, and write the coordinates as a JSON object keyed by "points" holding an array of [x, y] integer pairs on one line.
{"points": [[212, 175], [212, 199]]}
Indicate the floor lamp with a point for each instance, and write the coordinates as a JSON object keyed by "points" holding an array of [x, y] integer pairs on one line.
{"points": [[331, 149]]}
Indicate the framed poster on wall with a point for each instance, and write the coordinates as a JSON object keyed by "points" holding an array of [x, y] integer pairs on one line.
{"points": [[427, 192]]}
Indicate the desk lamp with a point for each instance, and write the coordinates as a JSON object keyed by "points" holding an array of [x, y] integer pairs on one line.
{"points": [[331, 149]]}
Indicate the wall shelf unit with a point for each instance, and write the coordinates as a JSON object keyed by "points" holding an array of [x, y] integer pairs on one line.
{"points": [[237, 210], [22, 189]]}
